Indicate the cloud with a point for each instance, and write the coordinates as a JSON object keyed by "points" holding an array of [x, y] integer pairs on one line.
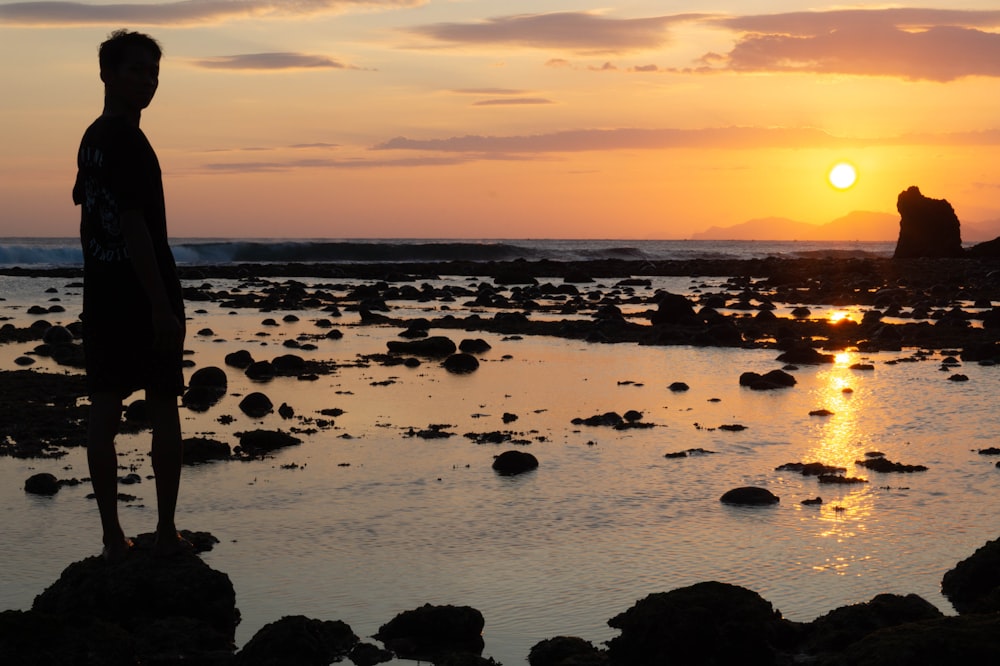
{"points": [[488, 91], [577, 31], [269, 61], [659, 139], [290, 165], [512, 101], [621, 139], [184, 12], [916, 44]]}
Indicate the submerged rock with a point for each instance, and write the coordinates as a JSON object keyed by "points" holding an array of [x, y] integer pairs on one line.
{"points": [[749, 495], [514, 462], [430, 630], [295, 639]]}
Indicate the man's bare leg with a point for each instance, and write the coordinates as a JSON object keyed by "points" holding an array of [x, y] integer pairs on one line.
{"points": [[102, 428], [168, 454]]}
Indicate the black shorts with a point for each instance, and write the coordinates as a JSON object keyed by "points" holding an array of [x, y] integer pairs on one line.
{"points": [[120, 358]]}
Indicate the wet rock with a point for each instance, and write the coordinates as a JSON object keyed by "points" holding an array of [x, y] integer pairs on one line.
{"points": [[288, 365], [429, 630], [30, 638], [461, 363], [368, 654], [286, 411], [474, 346], [812, 501], [172, 609], [613, 419], [256, 405], [775, 379], [846, 625], [255, 443], [973, 585], [260, 371], [508, 417], [241, 359], [880, 464], [24, 361], [837, 479], [435, 346], [42, 483], [749, 495], [971, 639], [295, 639], [927, 227], [805, 356], [204, 449], [205, 388], [673, 309], [678, 387], [565, 651], [510, 463], [57, 335], [688, 452], [810, 469], [708, 623]]}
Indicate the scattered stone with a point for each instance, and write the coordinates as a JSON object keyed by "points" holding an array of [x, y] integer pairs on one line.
{"points": [[256, 443], [256, 405], [436, 346], [565, 651], [239, 359], [461, 363], [428, 631], [810, 469], [813, 501], [688, 452], [732, 427], [204, 449], [885, 465], [510, 463], [42, 483], [474, 346], [749, 495], [821, 412], [678, 387], [837, 479], [296, 639], [775, 379]]}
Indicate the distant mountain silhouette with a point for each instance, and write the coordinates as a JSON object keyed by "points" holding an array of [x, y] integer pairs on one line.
{"points": [[858, 225]]}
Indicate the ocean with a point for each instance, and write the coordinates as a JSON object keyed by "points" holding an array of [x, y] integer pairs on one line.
{"points": [[60, 252], [364, 520]]}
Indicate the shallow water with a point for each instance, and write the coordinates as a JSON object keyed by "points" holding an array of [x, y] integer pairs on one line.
{"points": [[361, 521]]}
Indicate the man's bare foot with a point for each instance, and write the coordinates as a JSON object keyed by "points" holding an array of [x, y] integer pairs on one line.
{"points": [[171, 544], [116, 551]]}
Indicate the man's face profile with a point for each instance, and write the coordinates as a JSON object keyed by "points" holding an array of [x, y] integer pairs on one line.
{"points": [[134, 80]]}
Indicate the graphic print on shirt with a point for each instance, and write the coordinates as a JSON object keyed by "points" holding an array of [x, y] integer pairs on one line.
{"points": [[105, 242]]}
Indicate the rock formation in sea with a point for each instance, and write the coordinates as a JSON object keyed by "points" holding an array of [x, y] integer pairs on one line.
{"points": [[927, 227]]}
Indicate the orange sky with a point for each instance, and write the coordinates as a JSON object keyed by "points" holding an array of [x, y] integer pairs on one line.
{"points": [[540, 119]]}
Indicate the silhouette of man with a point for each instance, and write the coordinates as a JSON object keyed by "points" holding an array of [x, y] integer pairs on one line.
{"points": [[133, 311]]}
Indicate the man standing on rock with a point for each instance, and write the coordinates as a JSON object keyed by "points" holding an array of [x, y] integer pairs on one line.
{"points": [[133, 312]]}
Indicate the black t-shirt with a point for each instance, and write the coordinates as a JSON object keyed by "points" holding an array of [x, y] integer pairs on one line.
{"points": [[118, 171]]}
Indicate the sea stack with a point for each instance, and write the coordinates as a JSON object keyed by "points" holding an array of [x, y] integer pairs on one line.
{"points": [[927, 227]]}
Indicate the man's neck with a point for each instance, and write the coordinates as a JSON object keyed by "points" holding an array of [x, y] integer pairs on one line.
{"points": [[114, 109]]}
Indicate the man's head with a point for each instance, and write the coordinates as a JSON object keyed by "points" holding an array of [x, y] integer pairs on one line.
{"points": [[130, 68]]}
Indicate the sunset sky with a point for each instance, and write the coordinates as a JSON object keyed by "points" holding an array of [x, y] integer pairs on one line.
{"points": [[514, 119]]}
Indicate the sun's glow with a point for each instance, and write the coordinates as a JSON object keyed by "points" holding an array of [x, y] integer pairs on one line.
{"points": [[842, 175]]}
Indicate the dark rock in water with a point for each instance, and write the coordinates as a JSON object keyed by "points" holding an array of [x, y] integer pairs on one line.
{"points": [[810, 469], [256, 405], [839, 480], [805, 356], [973, 586], [812, 501], [42, 483], [474, 346], [239, 359], [969, 639], [295, 639], [430, 630], [174, 609], [565, 651], [30, 638], [434, 346], [613, 419], [24, 361], [927, 227], [508, 417], [204, 449], [137, 411], [368, 654], [514, 462], [678, 387], [288, 365], [880, 464], [461, 363], [688, 452], [749, 495], [260, 371], [846, 625], [57, 335], [673, 309], [775, 379], [286, 411], [259, 442], [705, 624], [205, 388], [633, 415]]}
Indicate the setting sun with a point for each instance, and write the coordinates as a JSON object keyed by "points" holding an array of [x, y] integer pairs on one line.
{"points": [[842, 175]]}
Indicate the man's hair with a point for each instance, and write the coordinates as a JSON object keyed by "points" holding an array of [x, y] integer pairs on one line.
{"points": [[116, 47]]}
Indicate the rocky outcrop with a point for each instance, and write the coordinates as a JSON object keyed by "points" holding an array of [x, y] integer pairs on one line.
{"points": [[430, 631], [927, 227], [973, 586], [299, 640]]}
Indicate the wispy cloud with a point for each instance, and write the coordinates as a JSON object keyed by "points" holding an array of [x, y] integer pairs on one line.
{"points": [[917, 44], [290, 165], [658, 139], [577, 31], [184, 12], [269, 61], [512, 101]]}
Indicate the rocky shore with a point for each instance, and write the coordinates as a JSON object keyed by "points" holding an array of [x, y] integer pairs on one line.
{"points": [[153, 611], [150, 611]]}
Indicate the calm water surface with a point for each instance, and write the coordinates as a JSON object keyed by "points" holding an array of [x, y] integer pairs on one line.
{"points": [[362, 521]]}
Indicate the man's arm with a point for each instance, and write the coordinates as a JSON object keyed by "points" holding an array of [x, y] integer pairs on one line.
{"points": [[168, 330]]}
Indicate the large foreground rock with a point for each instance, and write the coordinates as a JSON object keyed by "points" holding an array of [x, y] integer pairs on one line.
{"points": [[706, 623], [430, 631], [973, 586]]}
